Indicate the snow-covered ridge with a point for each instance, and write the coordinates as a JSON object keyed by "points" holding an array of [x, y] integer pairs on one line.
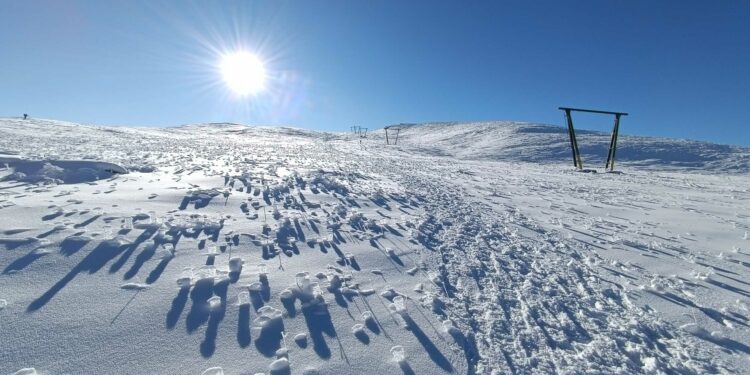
{"points": [[521, 141], [219, 128], [496, 140]]}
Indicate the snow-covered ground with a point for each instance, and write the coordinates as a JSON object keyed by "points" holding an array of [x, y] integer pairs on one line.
{"points": [[467, 248]]}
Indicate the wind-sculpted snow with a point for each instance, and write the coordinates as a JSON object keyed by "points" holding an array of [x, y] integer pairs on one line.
{"points": [[518, 141], [532, 303], [228, 249], [57, 171]]}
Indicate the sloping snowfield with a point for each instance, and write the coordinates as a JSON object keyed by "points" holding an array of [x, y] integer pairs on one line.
{"points": [[467, 249]]}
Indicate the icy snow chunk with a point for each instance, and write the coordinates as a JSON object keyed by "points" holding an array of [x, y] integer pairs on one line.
{"points": [[419, 288], [26, 371], [262, 269], [358, 329], [349, 292], [434, 277], [213, 371], [279, 366], [183, 282], [742, 305], [334, 282], [334, 268], [649, 364], [267, 317], [255, 286], [212, 251], [214, 302], [141, 216], [3, 304], [434, 301], [707, 275], [367, 317], [166, 251], [388, 292], [286, 295], [317, 292], [243, 298], [399, 303], [301, 339], [235, 264], [133, 286], [302, 279], [205, 272], [398, 353], [282, 352], [185, 278]]}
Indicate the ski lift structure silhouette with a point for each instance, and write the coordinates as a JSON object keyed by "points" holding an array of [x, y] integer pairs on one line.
{"points": [[393, 130], [610, 164], [360, 131]]}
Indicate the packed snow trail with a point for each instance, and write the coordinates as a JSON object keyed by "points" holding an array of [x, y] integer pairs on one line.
{"points": [[529, 299], [232, 249]]}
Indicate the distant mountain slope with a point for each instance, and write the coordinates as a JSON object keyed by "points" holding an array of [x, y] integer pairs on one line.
{"points": [[498, 140], [522, 141]]}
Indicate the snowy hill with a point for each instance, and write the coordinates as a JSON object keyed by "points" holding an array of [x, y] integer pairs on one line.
{"points": [[545, 143], [466, 249]]}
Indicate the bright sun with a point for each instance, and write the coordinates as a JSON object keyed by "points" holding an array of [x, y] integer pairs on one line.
{"points": [[243, 72]]}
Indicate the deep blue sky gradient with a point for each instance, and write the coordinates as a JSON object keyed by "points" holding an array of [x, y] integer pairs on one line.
{"points": [[681, 68]]}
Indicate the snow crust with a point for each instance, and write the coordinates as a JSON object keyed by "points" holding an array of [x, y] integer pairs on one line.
{"points": [[467, 248]]}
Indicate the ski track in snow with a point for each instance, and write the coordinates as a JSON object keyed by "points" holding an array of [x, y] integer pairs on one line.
{"points": [[230, 249]]}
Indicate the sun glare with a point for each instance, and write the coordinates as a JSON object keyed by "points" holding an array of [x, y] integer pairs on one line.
{"points": [[243, 72]]}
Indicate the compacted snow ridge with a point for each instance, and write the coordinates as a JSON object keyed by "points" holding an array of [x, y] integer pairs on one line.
{"points": [[468, 248]]}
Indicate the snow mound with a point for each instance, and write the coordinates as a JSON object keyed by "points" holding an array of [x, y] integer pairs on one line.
{"points": [[57, 171], [521, 141]]}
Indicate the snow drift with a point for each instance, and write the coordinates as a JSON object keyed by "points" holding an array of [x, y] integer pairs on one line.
{"points": [[57, 171]]}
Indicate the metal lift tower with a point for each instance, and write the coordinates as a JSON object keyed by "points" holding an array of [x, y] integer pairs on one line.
{"points": [[391, 128], [610, 165]]}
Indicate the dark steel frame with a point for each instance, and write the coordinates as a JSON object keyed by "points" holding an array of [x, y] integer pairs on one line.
{"points": [[610, 165], [387, 140], [358, 131]]}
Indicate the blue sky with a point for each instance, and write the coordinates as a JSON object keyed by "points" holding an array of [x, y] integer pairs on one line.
{"points": [[681, 68]]}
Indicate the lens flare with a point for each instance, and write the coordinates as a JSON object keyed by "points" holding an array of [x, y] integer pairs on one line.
{"points": [[243, 72]]}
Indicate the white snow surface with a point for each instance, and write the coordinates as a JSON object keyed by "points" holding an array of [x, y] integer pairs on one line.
{"points": [[468, 248], [520, 141]]}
